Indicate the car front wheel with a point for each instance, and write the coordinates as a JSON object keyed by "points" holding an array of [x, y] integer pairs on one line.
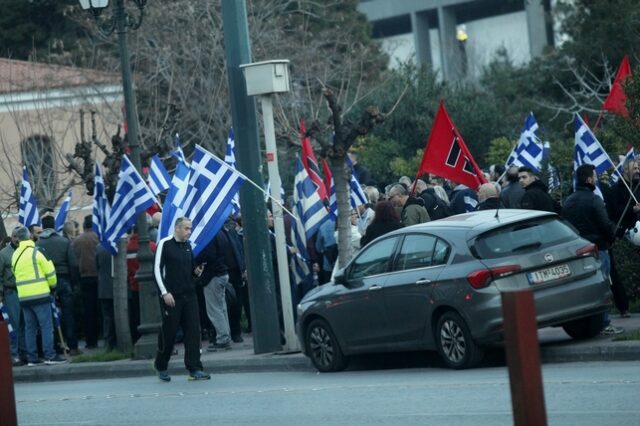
{"points": [[455, 344], [323, 347]]}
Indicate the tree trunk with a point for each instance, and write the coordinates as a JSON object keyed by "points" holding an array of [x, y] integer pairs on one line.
{"points": [[341, 178], [120, 298]]}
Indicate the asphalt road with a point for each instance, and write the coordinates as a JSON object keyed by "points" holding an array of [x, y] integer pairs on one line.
{"points": [[604, 393]]}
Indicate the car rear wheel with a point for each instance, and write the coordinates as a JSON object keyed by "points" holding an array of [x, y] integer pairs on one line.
{"points": [[584, 328], [323, 347], [455, 344]]}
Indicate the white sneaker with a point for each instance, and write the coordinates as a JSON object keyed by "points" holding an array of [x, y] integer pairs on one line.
{"points": [[56, 360], [611, 330]]}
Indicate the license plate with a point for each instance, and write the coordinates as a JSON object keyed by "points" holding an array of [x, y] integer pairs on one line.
{"points": [[549, 274]]}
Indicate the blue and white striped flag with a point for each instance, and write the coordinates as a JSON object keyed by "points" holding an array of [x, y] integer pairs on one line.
{"points": [[6, 319], [61, 217], [178, 153], [309, 206], [55, 311], [268, 193], [132, 197], [588, 150], [101, 207], [28, 210], [174, 201], [159, 179], [529, 151], [212, 185], [230, 159], [357, 197], [630, 155]]}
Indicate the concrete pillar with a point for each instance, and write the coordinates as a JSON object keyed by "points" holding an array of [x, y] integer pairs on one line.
{"points": [[536, 27], [421, 38], [450, 52]]}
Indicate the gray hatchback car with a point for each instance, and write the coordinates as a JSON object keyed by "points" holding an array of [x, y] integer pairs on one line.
{"points": [[436, 286]]}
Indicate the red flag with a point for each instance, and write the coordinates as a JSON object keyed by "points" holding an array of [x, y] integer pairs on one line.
{"points": [[310, 163], [615, 102], [446, 154], [327, 176]]}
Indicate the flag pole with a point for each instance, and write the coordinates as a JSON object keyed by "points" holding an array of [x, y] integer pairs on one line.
{"points": [[615, 169]]}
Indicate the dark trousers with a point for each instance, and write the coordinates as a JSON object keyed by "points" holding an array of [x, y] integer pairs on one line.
{"points": [[184, 314], [91, 310], [108, 323], [617, 287], [64, 291], [234, 304], [134, 315]]}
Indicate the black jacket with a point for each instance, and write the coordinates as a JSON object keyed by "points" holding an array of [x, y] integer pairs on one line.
{"points": [[619, 198], [376, 229], [214, 254], [536, 197], [587, 213], [173, 267], [490, 204], [435, 206]]}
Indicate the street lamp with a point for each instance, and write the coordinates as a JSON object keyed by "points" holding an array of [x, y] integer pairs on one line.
{"points": [[263, 79], [120, 22]]}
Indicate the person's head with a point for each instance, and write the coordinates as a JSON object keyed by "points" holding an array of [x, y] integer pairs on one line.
{"points": [[486, 191], [398, 195], [35, 231], [420, 186], [269, 218], [14, 236], [354, 217], [353, 157], [385, 212], [48, 222], [372, 194], [182, 230], [586, 175], [406, 181], [69, 230], [22, 233], [512, 174], [156, 219], [630, 170], [87, 223], [495, 172], [526, 176]]}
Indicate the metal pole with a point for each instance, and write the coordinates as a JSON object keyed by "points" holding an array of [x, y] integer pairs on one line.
{"points": [[291, 343], [523, 358], [149, 326], [264, 314], [7, 396]]}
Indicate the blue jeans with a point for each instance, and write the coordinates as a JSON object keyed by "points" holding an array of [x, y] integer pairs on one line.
{"points": [[605, 267], [64, 291], [12, 305], [34, 316]]}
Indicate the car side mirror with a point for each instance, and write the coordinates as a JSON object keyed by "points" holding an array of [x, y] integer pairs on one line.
{"points": [[340, 277]]}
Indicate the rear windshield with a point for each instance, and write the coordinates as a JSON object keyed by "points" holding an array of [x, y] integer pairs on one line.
{"points": [[522, 237]]}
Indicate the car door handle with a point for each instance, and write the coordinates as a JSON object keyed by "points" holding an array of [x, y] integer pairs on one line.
{"points": [[423, 281], [375, 287]]}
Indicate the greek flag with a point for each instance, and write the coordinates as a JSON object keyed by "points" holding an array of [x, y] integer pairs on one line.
{"points": [[56, 312], [529, 150], [588, 149], [101, 206], [61, 217], [267, 193], [178, 153], [309, 207], [212, 185], [132, 197], [357, 196], [174, 201], [230, 159], [159, 179], [5, 318], [630, 155], [28, 211]]}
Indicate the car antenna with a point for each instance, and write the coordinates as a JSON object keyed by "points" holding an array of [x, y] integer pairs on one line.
{"points": [[497, 216]]}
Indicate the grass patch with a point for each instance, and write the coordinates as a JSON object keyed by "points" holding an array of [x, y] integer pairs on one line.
{"points": [[102, 356], [629, 335]]}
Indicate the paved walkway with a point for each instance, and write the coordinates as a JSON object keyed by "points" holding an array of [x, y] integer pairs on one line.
{"points": [[555, 345]]}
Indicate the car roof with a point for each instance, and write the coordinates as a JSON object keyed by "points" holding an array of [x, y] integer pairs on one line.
{"points": [[481, 221]]}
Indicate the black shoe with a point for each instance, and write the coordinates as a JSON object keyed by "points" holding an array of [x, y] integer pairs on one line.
{"points": [[56, 360], [214, 347], [34, 363], [237, 338], [199, 375], [17, 362]]}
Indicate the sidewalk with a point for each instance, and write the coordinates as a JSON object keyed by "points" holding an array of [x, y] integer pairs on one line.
{"points": [[555, 346]]}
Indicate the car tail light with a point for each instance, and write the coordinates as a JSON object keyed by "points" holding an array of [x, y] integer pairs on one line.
{"points": [[588, 250], [482, 277]]}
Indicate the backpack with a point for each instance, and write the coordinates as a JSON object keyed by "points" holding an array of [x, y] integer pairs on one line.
{"points": [[436, 207]]}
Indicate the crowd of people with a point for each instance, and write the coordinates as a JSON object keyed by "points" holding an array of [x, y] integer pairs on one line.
{"points": [[206, 297]]}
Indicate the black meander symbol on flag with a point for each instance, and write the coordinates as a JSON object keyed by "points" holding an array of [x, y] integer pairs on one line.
{"points": [[454, 156]]}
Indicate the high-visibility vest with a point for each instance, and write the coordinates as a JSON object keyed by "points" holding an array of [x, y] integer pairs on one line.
{"points": [[35, 274]]}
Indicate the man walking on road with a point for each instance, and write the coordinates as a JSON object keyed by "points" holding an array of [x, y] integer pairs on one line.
{"points": [[35, 278], [174, 271]]}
